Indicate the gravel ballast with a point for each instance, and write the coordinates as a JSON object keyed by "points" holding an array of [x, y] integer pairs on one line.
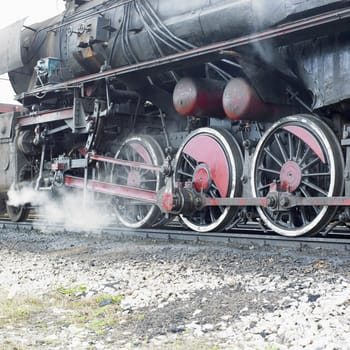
{"points": [[68, 290]]}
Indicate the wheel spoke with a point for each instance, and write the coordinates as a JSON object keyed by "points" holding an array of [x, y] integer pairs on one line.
{"points": [[277, 217], [267, 170], [305, 156], [145, 172], [291, 146], [290, 220], [303, 215], [184, 173], [153, 181], [215, 188], [316, 174], [273, 157], [295, 145], [314, 187], [214, 194], [211, 214], [134, 213], [142, 212], [306, 194], [122, 177], [188, 161], [202, 221], [297, 153], [264, 187], [308, 165], [129, 154], [281, 147]]}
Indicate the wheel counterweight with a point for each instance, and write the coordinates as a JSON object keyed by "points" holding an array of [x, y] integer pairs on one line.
{"points": [[301, 155], [211, 160]]}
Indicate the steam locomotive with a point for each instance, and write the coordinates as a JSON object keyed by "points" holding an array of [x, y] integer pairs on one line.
{"points": [[217, 112]]}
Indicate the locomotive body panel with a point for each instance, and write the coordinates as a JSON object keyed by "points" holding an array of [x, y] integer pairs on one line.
{"points": [[137, 32], [10, 162]]}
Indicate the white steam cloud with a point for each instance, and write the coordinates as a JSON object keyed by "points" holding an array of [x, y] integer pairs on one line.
{"points": [[68, 209]]}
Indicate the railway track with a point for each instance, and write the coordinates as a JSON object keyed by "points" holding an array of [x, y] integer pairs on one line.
{"points": [[248, 237]]}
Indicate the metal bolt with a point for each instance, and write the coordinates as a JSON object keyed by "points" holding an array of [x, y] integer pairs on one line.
{"points": [[197, 202], [244, 179], [343, 217], [284, 202], [246, 144], [271, 202]]}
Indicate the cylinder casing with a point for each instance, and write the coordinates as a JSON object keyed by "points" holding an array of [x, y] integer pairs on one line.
{"points": [[199, 97], [240, 101]]}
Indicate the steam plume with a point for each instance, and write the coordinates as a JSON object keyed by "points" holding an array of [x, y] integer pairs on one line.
{"points": [[68, 208]]}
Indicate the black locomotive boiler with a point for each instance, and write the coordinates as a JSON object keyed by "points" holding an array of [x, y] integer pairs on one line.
{"points": [[218, 112]]}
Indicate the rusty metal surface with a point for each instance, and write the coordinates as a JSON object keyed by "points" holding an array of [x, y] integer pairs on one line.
{"points": [[46, 117], [6, 107], [324, 67]]}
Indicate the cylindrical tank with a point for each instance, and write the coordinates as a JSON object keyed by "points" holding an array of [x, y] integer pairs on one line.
{"points": [[241, 102], [199, 97]]}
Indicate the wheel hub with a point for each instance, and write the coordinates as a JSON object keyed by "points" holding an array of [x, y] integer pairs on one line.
{"points": [[134, 179], [201, 178], [290, 176]]}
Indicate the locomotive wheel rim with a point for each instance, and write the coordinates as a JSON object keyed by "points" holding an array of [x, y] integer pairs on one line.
{"points": [[224, 182], [21, 212], [143, 149], [18, 213], [311, 144]]}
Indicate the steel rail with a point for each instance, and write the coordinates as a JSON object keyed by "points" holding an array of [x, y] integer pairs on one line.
{"points": [[241, 237]]}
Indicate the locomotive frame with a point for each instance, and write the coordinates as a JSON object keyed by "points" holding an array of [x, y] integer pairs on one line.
{"points": [[202, 134]]}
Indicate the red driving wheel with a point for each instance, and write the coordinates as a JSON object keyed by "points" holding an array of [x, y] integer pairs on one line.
{"points": [[212, 161]]}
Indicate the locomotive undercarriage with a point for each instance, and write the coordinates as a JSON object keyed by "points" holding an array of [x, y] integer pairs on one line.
{"points": [[135, 135], [288, 176]]}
